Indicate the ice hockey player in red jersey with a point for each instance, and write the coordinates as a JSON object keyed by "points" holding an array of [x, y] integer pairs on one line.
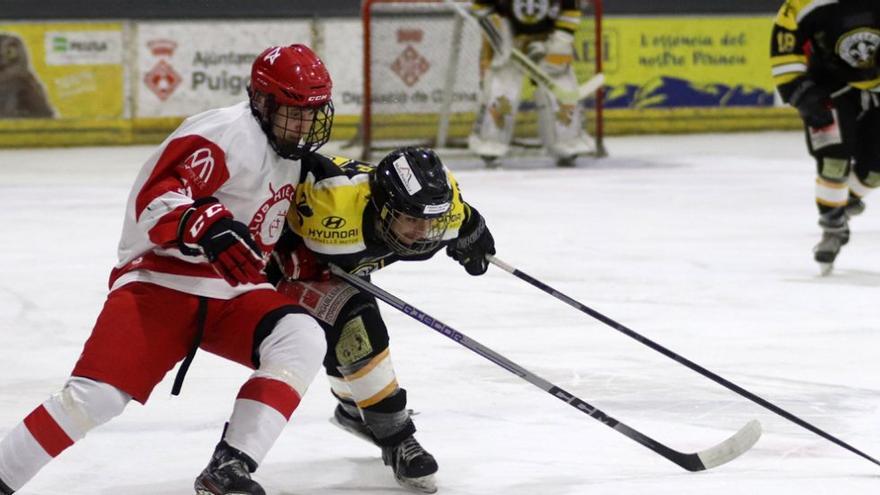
{"points": [[362, 218], [825, 63], [203, 216]]}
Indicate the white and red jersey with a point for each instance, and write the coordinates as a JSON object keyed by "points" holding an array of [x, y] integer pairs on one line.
{"points": [[221, 153]]}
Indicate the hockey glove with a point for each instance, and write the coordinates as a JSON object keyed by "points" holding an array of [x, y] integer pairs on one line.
{"points": [[207, 228], [300, 264], [474, 242], [813, 104]]}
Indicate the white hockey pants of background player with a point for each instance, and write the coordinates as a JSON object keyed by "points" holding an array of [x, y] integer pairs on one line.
{"points": [[561, 126], [499, 101], [289, 359]]}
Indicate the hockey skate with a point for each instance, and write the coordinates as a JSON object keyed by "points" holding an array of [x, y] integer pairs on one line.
{"points": [[566, 161], [489, 150], [835, 234], [854, 207], [351, 424], [355, 425], [491, 161], [413, 466], [566, 151], [228, 473]]}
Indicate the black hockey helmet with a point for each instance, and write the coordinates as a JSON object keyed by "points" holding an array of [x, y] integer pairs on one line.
{"points": [[410, 187]]}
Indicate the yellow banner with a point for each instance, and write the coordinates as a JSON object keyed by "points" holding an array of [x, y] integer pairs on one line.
{"points": [[62, 70], [669, 62]]}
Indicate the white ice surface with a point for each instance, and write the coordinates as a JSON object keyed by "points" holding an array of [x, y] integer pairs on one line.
{"points": [[701, 243]]}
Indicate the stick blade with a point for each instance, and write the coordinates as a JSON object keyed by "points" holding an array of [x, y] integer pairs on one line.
{"points": [[588, 88], [728, 450]]}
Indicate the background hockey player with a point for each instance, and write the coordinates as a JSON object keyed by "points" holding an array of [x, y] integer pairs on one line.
{"points": [[363, 218], [204, 213], [543, 29], [824, 57]]}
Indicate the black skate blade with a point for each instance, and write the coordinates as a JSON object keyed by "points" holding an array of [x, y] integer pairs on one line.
{"points": [[424, 484], [354, 431], [854, 208], [359, 432], [491, 162], [827, 257], [204, 487]]}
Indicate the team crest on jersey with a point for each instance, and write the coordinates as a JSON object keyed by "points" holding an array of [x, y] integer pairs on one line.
{"points": [[303, 210], [534, 11], [367, 266], [859, 47], [268, 222]]}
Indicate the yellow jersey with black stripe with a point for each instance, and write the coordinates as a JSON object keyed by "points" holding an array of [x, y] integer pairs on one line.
{"points": [[332, 216], [533, 16], [833, 42]]}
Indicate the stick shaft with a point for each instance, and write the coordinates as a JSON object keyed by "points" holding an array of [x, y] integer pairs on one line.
{"points": [[691, 462], [677, 357]]}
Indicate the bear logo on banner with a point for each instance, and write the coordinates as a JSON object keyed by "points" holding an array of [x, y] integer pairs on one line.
{"points": [[21, 93]]}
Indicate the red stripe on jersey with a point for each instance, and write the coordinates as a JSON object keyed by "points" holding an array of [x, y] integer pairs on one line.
{"points": [[189, 165], [164, 233], [47, 432], [165, 264], [273, 393]]}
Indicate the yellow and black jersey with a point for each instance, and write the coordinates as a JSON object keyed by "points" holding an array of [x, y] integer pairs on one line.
{"points": [[833, 42], [331, 214], [533, 16]]}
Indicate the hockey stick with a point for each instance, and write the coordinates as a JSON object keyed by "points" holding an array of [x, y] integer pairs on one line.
{"points": [[717, 455], [677, 357], [591, 86], [528, 66]]}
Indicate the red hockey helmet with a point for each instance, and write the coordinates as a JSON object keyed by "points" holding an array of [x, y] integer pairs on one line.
{"points": [[290, 96]]}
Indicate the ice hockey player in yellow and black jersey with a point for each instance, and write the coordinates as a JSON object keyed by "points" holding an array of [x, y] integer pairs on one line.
{"points": [[824, 55], [545, 31], [362, 218]]}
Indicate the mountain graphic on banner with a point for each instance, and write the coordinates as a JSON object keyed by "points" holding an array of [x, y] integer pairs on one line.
{"points": [[670, 92]]}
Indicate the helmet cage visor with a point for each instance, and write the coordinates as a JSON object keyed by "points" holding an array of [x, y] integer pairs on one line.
{"points": [[295, 131], [409, 235]]}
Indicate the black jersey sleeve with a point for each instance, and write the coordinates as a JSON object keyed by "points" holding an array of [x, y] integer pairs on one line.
{"points": [[788, 57]]}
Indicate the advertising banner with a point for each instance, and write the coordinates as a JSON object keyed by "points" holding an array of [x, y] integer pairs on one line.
{"points": [[133, 81], [415, 58], [184, 68], [672, 62], [62, 71]]}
